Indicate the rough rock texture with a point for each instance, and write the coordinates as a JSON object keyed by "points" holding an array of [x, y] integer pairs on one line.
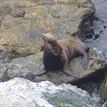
{"points": [[20, 92], [22, 22]]}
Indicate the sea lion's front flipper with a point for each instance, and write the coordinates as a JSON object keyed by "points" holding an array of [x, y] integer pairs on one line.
{"points": [[71, 73]]}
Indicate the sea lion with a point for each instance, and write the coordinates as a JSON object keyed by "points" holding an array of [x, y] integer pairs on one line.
{"points": [[58, 53]]}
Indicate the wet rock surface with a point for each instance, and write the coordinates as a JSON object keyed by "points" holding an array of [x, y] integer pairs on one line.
{"points": [[20, 92]]}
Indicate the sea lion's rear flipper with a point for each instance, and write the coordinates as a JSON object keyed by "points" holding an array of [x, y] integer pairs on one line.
{"points": [[71, 73], [85, 60]]}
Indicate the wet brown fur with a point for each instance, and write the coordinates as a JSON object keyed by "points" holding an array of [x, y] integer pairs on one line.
{"points": [[64, 50]]}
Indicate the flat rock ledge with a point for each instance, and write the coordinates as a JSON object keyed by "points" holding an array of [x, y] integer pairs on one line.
{"points": [[20, 92]]}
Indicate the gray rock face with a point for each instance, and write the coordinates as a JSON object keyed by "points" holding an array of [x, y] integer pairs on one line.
{"points": [[20, 92]]}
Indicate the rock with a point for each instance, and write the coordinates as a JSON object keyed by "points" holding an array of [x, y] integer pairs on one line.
{"points": [[32, 65], [23, 22], [103, 88], [26, 66], [4, 60], [20, 92]]}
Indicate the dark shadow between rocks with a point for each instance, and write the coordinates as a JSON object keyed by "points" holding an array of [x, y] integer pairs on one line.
{"points": [[91, 81]]}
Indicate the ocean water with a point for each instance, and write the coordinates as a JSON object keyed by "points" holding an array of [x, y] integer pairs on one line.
{"points": [[100, 26]]}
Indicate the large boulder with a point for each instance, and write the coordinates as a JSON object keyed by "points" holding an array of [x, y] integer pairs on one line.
{"points": [[20, 92], [23, 22]]}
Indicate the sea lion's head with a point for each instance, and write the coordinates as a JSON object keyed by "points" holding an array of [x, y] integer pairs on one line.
{"points": [[51, 44]]}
